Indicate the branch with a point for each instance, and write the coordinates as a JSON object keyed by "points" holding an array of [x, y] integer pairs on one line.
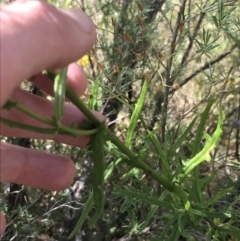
{"points": [[206, 66], [191, 38], [169, 67], [156, 6]]}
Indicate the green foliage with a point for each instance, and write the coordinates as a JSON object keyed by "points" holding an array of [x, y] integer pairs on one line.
{"points": [[205, 46], [59, 94], [148, 178], [136, 114], [97, 146]]}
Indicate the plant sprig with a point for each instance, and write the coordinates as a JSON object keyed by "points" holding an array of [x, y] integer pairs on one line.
{"points": [[99, 134], [58, 127]]}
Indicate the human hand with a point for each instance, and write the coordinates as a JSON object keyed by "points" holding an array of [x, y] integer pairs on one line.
{"points": [[37, 36]]}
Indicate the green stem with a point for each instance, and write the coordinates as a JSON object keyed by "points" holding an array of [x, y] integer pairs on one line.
{"points": [[73, 131], [83, 108], [76, 101], [133, 159], [137, 162], [77, 132], [22, 108]]}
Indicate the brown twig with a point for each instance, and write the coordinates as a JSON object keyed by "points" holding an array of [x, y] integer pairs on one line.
{"points": [[237, 132], [206, 66], [191, 38], [169, 67]]}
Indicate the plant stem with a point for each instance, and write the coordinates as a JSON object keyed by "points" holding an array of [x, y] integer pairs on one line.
{"points": [[76, 101], [137, 162], [133, 159], [73, 131], [84, 109]]}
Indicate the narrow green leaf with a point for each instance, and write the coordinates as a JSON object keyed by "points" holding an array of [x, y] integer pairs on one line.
{"points": [[153, 210], [144, 197], [212, 214], [175, 233], [218, 196], [9, 104], [188, 236], [182, 138], [230, 230], [110, 168], [90, 202], [87, 208], [97, 146], [169, 227], [180, 221], [36, 129], [136, 114], [181, 194], [162, 155], [203, 155], [196, 148], [204, 182], [191, 193], [200, 129], [92, 103], [59, 93], [215, 21], [134, 172], [119, 98], [235, 39]]}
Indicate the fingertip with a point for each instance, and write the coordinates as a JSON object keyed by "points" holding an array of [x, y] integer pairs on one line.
{"points": [[2, 223], [66, 174], [56, 37], [99, 115], [84, 22], [76, 79]]}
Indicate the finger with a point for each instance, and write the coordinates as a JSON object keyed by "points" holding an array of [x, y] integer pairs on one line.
{"points": [[2, 223], [76, 80], [37, 36], [45, 108], [35, 168]]}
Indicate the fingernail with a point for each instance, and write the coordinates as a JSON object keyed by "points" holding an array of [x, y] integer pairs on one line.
{"points": [[81, 18]]}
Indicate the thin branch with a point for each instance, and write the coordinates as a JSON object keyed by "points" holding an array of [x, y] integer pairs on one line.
{"points": [[169, 67], [206, 66], [238, 131], [191, 38], [211, 8], [156, 7]]}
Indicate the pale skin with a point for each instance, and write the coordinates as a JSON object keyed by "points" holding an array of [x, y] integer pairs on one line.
{"points": [[37, 36]]}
